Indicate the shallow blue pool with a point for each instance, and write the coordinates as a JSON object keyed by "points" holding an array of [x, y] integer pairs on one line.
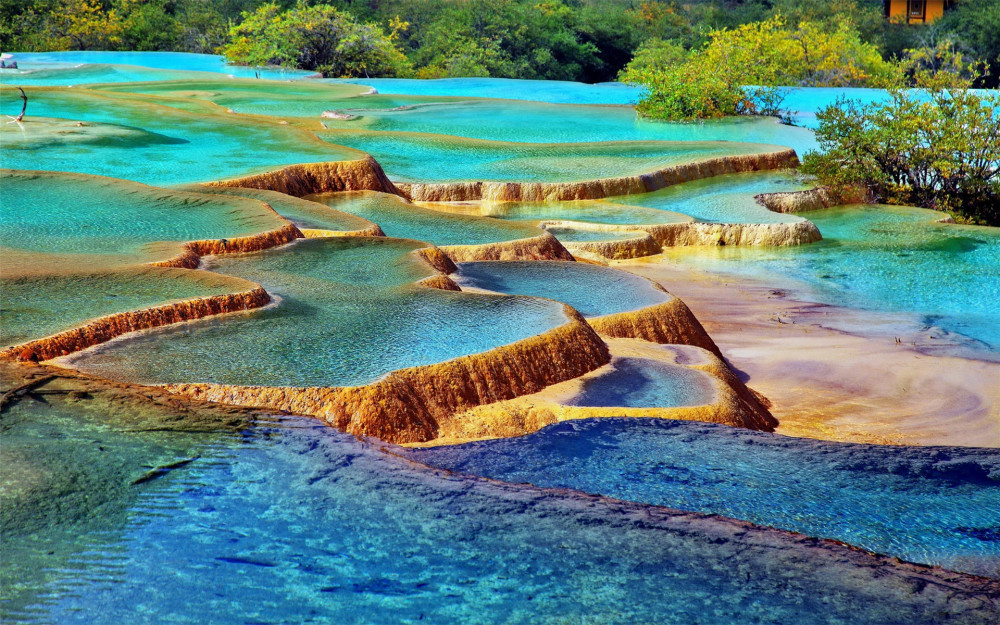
{"points": [[590, 289], [646, 383]]}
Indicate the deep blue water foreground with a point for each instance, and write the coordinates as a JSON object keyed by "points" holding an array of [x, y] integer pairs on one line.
{"points": [[932, 505], [297, 523]]}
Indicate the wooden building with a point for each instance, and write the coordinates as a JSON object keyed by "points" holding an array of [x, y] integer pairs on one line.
{"points": [[916, 11]]}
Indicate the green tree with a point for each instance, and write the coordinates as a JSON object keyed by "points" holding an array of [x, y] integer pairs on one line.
{"points": [[319, 38], [736, 70]]}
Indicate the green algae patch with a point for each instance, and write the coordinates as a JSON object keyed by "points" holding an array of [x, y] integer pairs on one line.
{"points": [[67, 214], [302, 213], [260, 97], [36, 305], [399, 218], [348, 313]]}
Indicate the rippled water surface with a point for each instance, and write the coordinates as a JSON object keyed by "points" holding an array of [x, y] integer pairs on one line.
{"points": [[931, 505], [299, 523]]}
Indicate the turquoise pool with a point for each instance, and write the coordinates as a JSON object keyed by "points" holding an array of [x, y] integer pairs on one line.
{"points": [[148, 142], [348, 311], [399, 218], [646, 383], [433, 158]]}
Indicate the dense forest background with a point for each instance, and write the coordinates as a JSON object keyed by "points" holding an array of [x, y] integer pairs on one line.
{"points": [[584, 40]]}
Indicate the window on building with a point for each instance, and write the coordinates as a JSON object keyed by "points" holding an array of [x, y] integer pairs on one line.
{"points": [[917, 9]]}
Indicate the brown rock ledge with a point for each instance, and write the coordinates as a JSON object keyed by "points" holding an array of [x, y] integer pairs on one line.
{"points": [[106, 328], [542, 247], [308, 178], [811, 199], [669, 323], [190, 258], [409, 405], [601, 188]]}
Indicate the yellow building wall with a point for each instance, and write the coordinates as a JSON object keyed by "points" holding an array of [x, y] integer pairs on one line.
{"points": [[899, 11]]}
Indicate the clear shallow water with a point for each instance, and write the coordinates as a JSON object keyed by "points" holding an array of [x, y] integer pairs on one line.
{"points": [[302, 213], [590, 289], [303, 98], [723, 199], [155, 144], [929, 505], [536, 122], [299, 523], [38, 305], [646, 383], [399, 218], [432, 158], [553, 91], [568, 234], [886, 259], [69, 62], [348, 315], [59, 213], [591, 211]]}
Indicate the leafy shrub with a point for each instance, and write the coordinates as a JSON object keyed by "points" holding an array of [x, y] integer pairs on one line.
{"points": [[937, 148]]}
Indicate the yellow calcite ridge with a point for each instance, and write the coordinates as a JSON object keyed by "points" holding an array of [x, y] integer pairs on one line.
{"points": [[190, 258], [668, 323], [307, 178], [542, 247], [440, 281], [108, 327], [316, 233], [409, 405], [601, 188], [811, 199]]}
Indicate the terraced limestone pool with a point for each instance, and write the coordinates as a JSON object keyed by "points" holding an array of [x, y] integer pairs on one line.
{"points": [[536, 122], [589, 211], [349, 310], [590, 289], [302, 213], [65, 214], [645, 383], [36, 304], [150, 141]]}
